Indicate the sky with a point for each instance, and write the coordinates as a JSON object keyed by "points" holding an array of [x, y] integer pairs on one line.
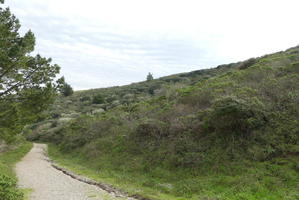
{"points": [[102, 43]]}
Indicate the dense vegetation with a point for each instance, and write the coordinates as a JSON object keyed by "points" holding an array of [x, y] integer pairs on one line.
{"points": [[97, 100], [225, 133], [8, 189]]}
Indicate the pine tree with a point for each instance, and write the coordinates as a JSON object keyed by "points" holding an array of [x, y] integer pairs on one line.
{"points": [[65, 88], [27, 83], [149, 77]]}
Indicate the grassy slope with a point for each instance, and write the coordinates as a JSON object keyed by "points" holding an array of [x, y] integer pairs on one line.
{"points": [[130, 183], [8, 190], [232, 135], [257, 181]]}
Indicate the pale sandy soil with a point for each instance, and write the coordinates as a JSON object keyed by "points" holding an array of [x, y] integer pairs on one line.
{"points": [[34, 172]]}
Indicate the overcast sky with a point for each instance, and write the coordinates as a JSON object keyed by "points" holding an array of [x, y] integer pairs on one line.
{"points": [[100, 43]]}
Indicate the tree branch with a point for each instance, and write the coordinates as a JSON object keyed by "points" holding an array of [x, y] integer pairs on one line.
{"points": [[19, 83]]}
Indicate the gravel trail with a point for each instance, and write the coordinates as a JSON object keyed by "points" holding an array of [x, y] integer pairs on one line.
{"points": [[36, 173]]}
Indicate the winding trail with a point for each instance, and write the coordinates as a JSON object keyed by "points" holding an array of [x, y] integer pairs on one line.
{"points": [[36, 173]]}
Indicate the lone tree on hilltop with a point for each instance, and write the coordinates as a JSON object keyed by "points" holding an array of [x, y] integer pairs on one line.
{"points": [[149, 77]]}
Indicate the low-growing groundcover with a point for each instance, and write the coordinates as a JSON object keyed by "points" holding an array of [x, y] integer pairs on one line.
{"points": [[8, 189], [275, 180], [233, 135]]}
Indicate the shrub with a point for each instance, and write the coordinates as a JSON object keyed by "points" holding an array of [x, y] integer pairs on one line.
{"points": [[295, 67], [54, 124], [55, 115], [247, 63], [111, 98], [85, 98], [8, 189], [234, 116], [66, 90], [151, 129], [98, 99], [151, 91]]}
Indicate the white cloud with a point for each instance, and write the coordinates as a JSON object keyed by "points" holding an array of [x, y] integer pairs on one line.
{"points": [[117, 42]]}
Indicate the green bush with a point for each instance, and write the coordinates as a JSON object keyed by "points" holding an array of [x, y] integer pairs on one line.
{"points": [[8, 189], [247, 63], [98, 99], [55, 115], [8, 186], [151, 129], [235, 117], [85, 98], [66, 90]]}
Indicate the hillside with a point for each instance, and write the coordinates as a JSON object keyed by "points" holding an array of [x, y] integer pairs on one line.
{"points": [[225, 133], [82, 102]]}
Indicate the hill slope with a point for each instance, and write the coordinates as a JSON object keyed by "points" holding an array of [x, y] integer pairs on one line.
{"points": [[224, 133]]}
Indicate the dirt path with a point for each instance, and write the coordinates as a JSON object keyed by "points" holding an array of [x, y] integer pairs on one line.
{"points": [[36, 173]]}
